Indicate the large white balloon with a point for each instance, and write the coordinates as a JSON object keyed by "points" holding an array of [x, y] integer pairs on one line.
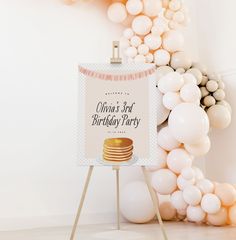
{"points": [[152, 7], [173, 41], [200, 148], [164, 181], [161, 57], [134, 7], [136, 203], [171, 82], [166, 140], [180, 60], [178, 159], [142, 25], [219, 116], [117, 12], [163, 112], [188, 123]]}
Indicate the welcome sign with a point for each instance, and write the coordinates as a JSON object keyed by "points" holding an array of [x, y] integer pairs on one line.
{"points": [[117, 114]]}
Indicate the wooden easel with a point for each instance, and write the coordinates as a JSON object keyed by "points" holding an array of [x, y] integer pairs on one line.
{"points": [[117, 60]]}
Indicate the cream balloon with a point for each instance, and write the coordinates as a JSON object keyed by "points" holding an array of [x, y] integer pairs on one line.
{"points": [[188, 173], [152, 8], [226, 193], [116, 12], [200, 148], [225, 104], [136, 203], [171, 82], [163, 112], [166, 140], [190, 92], [128, 33], [189, 78], [192, 195], [142, 25], [195, 214], [232, 214], [182, 183], [160, 161], [164, 181], [178, 159], [175, 5], [218, 219], [152, 41], [188, 123], [167, 211], [205, 186], [180, 60], [171, 100], [173, 41], [196, 73], [134, 7], [198, 173], [177, 200], [161, 57], [219, 116], [210, 203], [162, 71]]}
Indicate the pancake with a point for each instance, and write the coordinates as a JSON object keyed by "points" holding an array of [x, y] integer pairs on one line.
{"points": [[117, 156], [120, 143], [120, 151]]}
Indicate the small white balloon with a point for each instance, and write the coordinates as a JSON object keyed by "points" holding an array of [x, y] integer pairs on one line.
{"points": [[200, 148], [180, 70], [171, 82], [175, 5], [164, 181], [221, 85], [152, 7], [177, 159], [152, 41], [173, 25], [128, 33], [136, 203], [149, 58], [161, 57], [156, 30], [134, 7], [178, 17], [219, 116], [171, 100], [173, 41], [182, 183], [195, 214], [117, 12], [143, 49], [196, 73], [166, 140], [163, 112], [210, 203], [180, 60], [162, 71], [135, 41], [140, 59], [204, 81], [177, 200], [201, 67], [205, 186], [192, 195], [161, 22], [219, 94], [209, 101], [142, 25], [198, 173], [204, 92], [131, 52], [188, 123], [190, 92], [189, 78], [211, 86], [188, 173], [169, 14]]}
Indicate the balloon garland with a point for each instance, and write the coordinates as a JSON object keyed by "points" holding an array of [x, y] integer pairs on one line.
{"points": [[190, 102]]}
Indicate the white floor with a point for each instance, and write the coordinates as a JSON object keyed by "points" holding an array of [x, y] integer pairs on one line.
{"points": [[175, 231]]}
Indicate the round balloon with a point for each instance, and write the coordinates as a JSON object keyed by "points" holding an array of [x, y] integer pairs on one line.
{"points": [[173, 41], [116, 12], [180, 60]]}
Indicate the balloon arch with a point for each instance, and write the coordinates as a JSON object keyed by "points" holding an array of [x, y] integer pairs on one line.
{"points": [[190, 101]]}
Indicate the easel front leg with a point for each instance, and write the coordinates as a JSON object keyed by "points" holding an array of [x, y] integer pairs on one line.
{"points": [[117, 169], [81, 202], [155, 201]]}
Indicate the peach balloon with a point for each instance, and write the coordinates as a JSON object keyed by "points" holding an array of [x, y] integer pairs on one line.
{"points": [[226, 193], [210, 203], [167, 211], [192, 195], [182, 183], [232, 214], [195, 214], [219, 218]]}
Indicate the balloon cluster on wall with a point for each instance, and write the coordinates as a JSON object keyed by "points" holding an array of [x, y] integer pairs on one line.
{"points": [[191, 101]]}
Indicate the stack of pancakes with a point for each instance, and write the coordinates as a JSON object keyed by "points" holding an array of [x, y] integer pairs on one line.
{"points": [[117, 149]]}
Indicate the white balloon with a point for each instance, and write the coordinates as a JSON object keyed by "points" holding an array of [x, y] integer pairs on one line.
{"points": [[189, 78], [166, 140], [162, 71], [135, 202], [143, 49], [152, 7], [175, 5], [198, 173], [190, 92], [226, 104], [201, 67], [210, 203], [192, 195], [171, 82], [134, 7], [149, 58], [177, 200], [124, 43], [160, 161], [178, 17], [195, 214], [162, 57], [116, 12], [218, 219], [219, 116], [188, 173], [167, 211], [152, 41], [182, 183], [128, 33], [178, 159], [180, 60], [188, 123], [173, 41], [164, 181], [142, 25], [140, 59], [171, 100], [135, 41], [200, 148], [131, 52], [196, 73], [205, 186], [163, 112]]}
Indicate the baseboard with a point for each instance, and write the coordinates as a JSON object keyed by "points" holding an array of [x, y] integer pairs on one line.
{"points": [[11, 224]]}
